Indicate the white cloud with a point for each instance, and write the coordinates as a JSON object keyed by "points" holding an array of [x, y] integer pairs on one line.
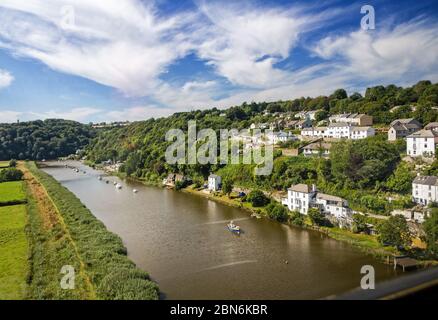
{"points": [[135, 113], [7, 116], [75, 114], [407, 53], [122, 44], [5, 79], [128, 45]]}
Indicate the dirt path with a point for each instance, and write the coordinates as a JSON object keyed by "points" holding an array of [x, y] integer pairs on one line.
{"points": [[51, 217]]}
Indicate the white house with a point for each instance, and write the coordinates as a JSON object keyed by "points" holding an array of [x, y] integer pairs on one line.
{"points": [[314, 132], [317, 149], [339, 130], [281, 136], [422, 143], [353, 119], [310, 115], [425, 190], [302, 197], [214, 182], [401, 128]]}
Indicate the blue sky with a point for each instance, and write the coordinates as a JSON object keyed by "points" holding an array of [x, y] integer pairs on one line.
{"points": [[113, 60]]}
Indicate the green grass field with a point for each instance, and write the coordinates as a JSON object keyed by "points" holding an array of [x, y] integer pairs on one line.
{"points": [[12, 193], [4, 164], [13, 252]]}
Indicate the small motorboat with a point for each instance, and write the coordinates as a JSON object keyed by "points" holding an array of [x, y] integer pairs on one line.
{"points": [[119, 186], [135, 191], [100, 178], [233, 228], [115, 183]]}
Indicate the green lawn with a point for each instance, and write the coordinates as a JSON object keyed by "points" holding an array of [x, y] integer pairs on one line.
{"points": [[12, 193], [13, 252]]}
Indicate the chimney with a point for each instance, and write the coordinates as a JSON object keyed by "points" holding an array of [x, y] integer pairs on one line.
{"points": [[313, 188]]}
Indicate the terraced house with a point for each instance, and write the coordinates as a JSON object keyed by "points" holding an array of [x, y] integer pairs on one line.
{"points": [[401, 128], [425, 190], [339, 130], [422, 143]]}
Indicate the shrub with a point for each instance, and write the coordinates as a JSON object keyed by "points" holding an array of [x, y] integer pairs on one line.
{"points": [[277, 212], [10, 174], [257, 198], [316, 217], [13, 163], [359, 223], [297, 219], [395, 231], [227, 186]]}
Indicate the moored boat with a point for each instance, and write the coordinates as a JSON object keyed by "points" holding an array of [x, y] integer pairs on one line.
{"points": [[233, 228]]}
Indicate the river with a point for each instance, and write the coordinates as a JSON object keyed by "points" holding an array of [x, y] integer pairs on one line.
{"points": [[182, 241]]}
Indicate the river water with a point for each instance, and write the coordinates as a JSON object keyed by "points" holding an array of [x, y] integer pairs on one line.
{"points": [[182, 241]]}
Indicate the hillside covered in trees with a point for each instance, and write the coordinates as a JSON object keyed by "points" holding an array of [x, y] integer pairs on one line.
{"points": [[373, 164], [37, 140], [142, 145]]}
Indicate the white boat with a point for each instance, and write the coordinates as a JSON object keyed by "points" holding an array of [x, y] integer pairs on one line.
{"points": [[135, 190], [233, 228], [115, 183], [119, 186], [100, 178]]}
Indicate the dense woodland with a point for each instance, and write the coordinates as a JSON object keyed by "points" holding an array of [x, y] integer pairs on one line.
{"points": [[38, 140]]}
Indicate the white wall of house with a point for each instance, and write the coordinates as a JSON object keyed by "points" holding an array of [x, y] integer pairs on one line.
{"points": [[214, 183], [419, 146], [340, 132], [302, 201], [298, 201], [424, 194]]}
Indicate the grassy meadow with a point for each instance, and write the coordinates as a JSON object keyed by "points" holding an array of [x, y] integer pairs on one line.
{"points": [[4, 164], [13, 252], [12, 193]]}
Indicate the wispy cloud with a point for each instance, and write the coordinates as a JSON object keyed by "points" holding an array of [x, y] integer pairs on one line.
{"points": [[6, 79], [407, 52], [129, 45], [76, 114]]}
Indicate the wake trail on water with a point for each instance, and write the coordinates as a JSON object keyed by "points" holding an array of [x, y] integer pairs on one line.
{"points": [[229, 265], [223, 221]]}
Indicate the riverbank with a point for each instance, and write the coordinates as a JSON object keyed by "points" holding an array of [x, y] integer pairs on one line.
{"points": [[367, 244], [63, 232]]}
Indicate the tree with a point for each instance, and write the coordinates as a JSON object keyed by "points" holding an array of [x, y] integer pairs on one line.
{"points": [[316, 217], [227, 186], [277, 212], [257, 198], [430, 227], [10, 174], [321, 115], [395, 231], [339, 94], [12, 163], [359, 223], [401, 180]]}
